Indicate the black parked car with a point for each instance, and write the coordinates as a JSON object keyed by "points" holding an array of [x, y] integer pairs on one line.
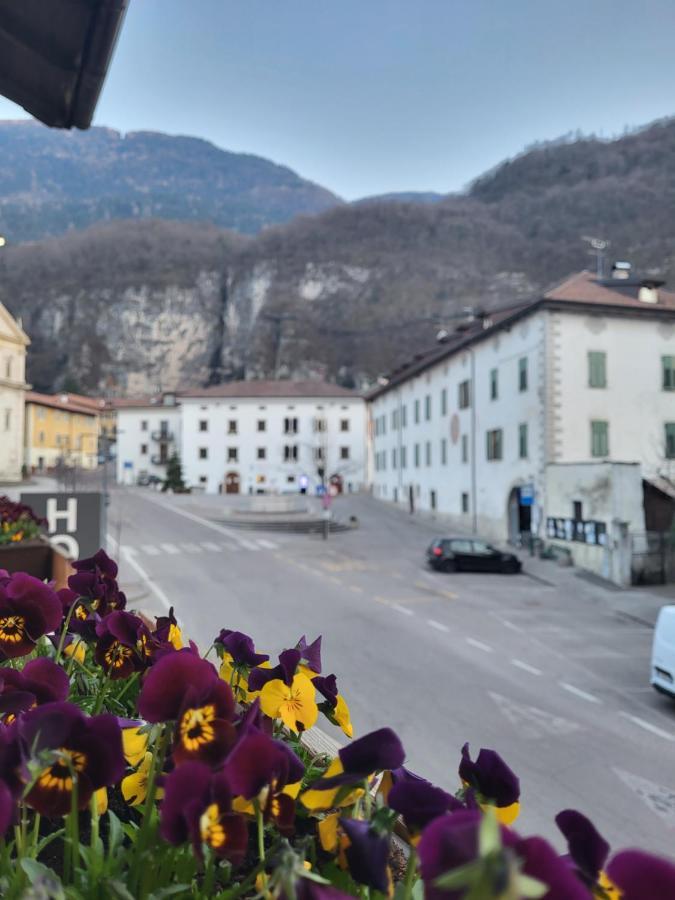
{"points": [[468, 555]]}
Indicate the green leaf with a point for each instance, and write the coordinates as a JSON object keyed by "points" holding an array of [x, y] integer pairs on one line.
{"points": [[46, 885], [461, 876], [169, 891], [418, 890], [530, 888], [117, 891]]}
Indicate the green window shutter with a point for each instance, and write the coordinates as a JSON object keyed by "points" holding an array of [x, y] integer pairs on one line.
{"points": [[668, 363], [522, 440], [670, 440], [599, 439], [597, 369]]}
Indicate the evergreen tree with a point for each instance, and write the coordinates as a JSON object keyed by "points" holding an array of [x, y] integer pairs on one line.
{"points": [[174, 475]]}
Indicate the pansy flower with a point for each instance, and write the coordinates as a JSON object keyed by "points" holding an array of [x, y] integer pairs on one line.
{"points": [[294, 704], [419, 802], [285, 671], [267, 771], [167, 631], [197, 806], [493, 783], [40, 681], [238, 656], [367, 854], [81, 620], [71, 752], [639, 875], [334, 706], [456, 856], [310, 656], [186, 689], [588, 849], [355, 764], [29, 609], [95, 580], [121, 645]]}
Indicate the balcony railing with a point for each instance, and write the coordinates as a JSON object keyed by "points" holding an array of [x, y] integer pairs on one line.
{"points": [[164, 437], [158, 460]]}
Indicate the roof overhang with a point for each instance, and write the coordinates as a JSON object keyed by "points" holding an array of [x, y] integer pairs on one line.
{"points": [[54, 56]]}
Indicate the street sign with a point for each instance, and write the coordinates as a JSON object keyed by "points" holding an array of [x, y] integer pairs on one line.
{"points": [[73, 520], [527, 495], [320, 490], [128, 464]]}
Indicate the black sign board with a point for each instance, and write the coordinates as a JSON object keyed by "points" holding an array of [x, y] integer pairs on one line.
{"points": [[579, 530], [74, 521]]}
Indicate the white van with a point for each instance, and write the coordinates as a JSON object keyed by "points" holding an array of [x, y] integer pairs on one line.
{"points": [[663, 652]]}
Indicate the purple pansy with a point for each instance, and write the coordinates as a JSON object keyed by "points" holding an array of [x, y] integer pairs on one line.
{"points": [[587, 848], [490, 777], [40, 681], [640, 875], [420, 802], [95, 579], [285, 671], [310, 654], [240, 647], [367, 854], [29, 609], [374, 752], [326, 685], [122, 647]]}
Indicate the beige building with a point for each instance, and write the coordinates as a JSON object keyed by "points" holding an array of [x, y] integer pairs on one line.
{"points": [[61, 430], [13, 343]]}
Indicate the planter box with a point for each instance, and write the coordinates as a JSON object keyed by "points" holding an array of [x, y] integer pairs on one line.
{"points": [[39, 559]]}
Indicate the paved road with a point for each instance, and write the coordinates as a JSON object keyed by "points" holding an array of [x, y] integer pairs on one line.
{"points": [[542, 670]]}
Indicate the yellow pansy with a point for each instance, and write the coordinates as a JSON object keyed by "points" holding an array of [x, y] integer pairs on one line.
{"points": [[611, 891], [77, 650], [316, 799], [505, 815], [134, 745], [135, 786], [101, 796], [342, 717], [294, 705], [175, 637]]}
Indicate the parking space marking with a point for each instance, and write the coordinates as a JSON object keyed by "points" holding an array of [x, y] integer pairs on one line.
{"points": [[590, 698], [659, 732], [402, 609], [150, 549], [526, 667], [170, 548], [479, 645], [192, 548], [209, 545], [267, 545], [439, 626], [355, 589]]}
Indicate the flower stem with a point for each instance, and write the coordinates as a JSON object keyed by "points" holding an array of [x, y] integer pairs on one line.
{"points": [[64, 631], [100, 696], [36, 835], [410, 874], [134, 678], [156, 767], [261, 843]]}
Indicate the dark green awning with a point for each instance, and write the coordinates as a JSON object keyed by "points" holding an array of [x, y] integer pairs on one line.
{"points": [[54, 55]]}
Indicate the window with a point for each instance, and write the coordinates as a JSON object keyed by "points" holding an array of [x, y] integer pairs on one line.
{"points": [[444, 402], [203, 425], [8, 367], [232, 426], [465, 448], [599, 438], [290, 479], [670, 440], [8, 419], [427, 407], [290, 452], [522, 373], [144, 449], [668, 363], [232, 454], [464, 394], [320, 424], [578, 511], [344, 424], [203, 453], [344, 452], [404, 417], [597, 369], [203, 479], [261, 453], [444, 451], [394, 419], [417, 456], [319, 454], [404, 454], [522, 440], [144, 424], [290, 425], [494, 444], [465, 502], [432, 499], [494, 384], [393, 458], [427, 453], [417, 412], [41, 437], [262, 425]]}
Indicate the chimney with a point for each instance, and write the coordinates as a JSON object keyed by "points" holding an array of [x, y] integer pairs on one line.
{"points": [[649, 291], [621, 271]]}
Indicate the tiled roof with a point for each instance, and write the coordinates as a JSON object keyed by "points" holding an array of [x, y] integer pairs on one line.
{"points": [[60, 401], [585, 287], [295, 389]]}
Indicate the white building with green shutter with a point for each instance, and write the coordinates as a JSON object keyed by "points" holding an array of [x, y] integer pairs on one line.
{"points": [[584, 374]]}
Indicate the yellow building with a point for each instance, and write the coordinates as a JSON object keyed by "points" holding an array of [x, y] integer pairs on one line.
{"points": [[62, 429], [13, 343]]}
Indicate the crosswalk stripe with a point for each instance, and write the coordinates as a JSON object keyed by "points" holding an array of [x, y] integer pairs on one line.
{"points": [[191, 548], [170, 548], [268, 545], [248, 545], [150, 549], [209, 545], [229, 547]]}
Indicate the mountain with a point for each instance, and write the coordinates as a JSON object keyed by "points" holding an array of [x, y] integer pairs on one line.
{"points": [[403, 197], [52, 182], [345, 294]]}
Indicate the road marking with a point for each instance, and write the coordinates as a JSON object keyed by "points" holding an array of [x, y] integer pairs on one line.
{"points": [[129, 557], [191, 548], [439, 626], [150, 549], [507, 624], [648, 726], [248, 545], [660, 800], [526, 667], [170, 548], [267, 545], [479, 645], [232, 547], [381, 600], [423, 586], [209, 545], [226, 532], [355, 589], [402, 609], [578, 692], [531, 722], [334, 579]]}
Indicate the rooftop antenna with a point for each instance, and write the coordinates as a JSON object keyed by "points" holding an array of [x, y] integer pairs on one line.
{"points": [[598, 247]]}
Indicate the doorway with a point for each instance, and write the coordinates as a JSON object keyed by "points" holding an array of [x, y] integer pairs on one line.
{"points": [[519, 517], [232, 483]]}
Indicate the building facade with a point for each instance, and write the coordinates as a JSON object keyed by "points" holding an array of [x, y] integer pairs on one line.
{"points": [[148, 434], [60, 430], [273, 437], [13, 344], [584, 374]]}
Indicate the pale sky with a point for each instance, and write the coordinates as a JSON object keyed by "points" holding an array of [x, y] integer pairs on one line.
{"points": [[372, 96]]}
